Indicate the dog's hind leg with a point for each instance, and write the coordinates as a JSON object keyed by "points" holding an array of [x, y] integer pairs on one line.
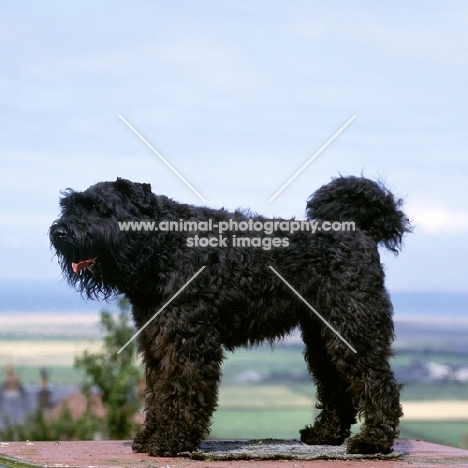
{"points": [[373, 388], [182, 358], [366, 322], [377, 396], [332, 425]]}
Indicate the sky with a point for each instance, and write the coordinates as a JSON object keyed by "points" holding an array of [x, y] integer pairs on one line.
{"points": [[237, 96]]}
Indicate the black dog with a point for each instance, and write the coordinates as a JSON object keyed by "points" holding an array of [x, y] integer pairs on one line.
{"points": [[238, 300]]}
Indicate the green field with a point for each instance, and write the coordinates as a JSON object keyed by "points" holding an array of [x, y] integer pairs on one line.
{"points": [[59, 375], [230, 423], [263, 411], [418, 391], [450, 433]]}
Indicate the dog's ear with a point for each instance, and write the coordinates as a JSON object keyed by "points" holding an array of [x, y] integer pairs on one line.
{"points": [[139, 194], [66, 198]]}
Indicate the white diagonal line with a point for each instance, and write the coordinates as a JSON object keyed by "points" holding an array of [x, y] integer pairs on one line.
{"points": [[161, 309], [312, 158], [161, 157], [312, 309]]}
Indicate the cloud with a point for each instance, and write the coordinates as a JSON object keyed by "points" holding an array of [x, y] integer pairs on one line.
{"points": [[209, 62], [390, 37], [200, 60], [439, 220], [25, 220]]}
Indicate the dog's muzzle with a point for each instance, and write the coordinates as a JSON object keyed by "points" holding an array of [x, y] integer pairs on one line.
{"points": [[59, 234]]}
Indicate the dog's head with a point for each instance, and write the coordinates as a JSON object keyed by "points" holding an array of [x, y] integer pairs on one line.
{"points": [[87, 237]]}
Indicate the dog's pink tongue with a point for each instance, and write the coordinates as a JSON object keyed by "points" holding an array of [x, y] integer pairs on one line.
{"points": [[77, 267]]}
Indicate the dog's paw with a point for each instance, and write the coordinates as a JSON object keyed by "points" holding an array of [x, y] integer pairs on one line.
{"points": [[139, 446], [140, 441], [313, 436], [360, 444], [154, 450], [162, 447]]}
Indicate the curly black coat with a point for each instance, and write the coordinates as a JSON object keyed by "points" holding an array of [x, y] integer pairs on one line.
{"points": [[238, 301]]}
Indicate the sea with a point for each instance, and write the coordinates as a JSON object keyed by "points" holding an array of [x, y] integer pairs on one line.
{"points": [[420, 317]]}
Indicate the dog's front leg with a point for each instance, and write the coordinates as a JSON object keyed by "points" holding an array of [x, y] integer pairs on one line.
{"points": [[182, 366]]}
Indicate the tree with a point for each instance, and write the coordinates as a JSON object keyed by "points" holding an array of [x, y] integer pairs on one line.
{"points": [[115, 375]]}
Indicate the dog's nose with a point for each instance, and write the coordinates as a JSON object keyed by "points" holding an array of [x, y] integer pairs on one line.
{"points": [[59, 232]]}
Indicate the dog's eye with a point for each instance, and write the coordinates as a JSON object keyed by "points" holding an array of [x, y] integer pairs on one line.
{"points": [[94, 207]]}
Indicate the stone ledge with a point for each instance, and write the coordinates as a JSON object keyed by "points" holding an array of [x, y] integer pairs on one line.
{"points": [[118, 454]]}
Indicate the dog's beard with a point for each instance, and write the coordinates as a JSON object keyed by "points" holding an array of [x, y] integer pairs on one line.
{"points": [[86, 277]]}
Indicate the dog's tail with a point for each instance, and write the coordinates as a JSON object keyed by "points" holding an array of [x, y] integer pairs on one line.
{"points": [[369, 204]]}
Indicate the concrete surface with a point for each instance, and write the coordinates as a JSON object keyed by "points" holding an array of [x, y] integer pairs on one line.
{"points": [[114, 454]]}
